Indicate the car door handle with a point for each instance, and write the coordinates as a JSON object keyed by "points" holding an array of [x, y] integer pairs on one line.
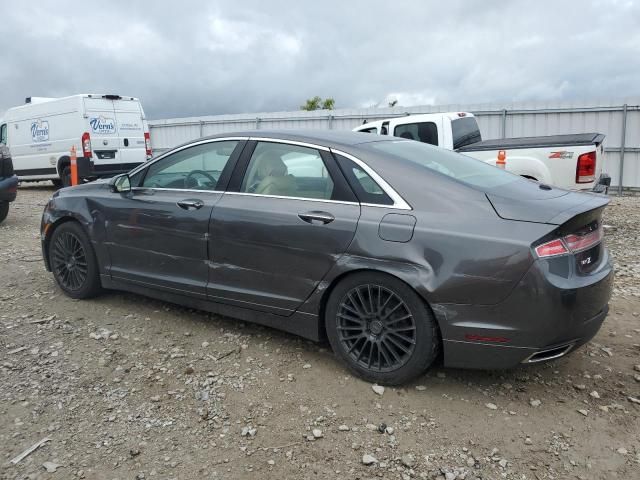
{"points": [[190, 203], [312, 217]]}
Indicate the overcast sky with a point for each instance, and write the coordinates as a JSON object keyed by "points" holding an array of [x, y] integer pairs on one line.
{"points": [[186, 58]]}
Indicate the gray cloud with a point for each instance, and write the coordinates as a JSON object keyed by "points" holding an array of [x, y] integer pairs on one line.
{"points": [[194, 58]]}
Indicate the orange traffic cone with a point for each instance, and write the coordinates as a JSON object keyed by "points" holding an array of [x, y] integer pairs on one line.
{"points": [[74, 166], [501, 162]]}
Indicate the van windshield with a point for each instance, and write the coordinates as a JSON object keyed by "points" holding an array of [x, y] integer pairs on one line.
{"points": [[465, 169]]}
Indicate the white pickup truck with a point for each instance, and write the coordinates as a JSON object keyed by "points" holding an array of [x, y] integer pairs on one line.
{"points": [[573, 162]]}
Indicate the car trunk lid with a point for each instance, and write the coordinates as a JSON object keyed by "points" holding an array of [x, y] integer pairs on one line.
{"points": [[539, 203]]}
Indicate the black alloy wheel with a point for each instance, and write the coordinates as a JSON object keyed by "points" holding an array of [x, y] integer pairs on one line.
{"points": [[72, 261], [376, 328], [69, 261], [381, 328]]}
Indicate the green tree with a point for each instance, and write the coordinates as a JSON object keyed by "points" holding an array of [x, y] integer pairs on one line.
{"points": [[328, 104], [317, 103]]}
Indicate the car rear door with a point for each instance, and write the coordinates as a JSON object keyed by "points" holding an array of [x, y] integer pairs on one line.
{"points": [[285, 220], [157, 234]]}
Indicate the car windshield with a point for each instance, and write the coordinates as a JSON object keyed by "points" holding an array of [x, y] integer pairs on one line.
{"points": [[460, 167]]}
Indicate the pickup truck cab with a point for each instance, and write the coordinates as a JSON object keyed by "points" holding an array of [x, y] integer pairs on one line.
{"points": [[8, 182], [573, 162]]}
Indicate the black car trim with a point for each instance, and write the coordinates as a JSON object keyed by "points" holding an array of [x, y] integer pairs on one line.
{"points": [[235, 182], [36, 171]]}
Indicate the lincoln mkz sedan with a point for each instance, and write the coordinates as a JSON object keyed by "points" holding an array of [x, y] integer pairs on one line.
{"points": [[397, 252]]}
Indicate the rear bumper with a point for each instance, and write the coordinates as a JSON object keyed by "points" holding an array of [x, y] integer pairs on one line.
{"points": [[464, 354], [110, 169], [548, 315], [8, 189], [603, 184]]}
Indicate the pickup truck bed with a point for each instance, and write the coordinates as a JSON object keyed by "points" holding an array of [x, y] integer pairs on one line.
{"points": [[577, 139]]}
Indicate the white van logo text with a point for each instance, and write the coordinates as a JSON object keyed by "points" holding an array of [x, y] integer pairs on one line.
{"points": [[40, 131], [102, 125]]}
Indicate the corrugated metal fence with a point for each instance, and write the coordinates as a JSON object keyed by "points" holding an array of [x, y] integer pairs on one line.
{"points": [[618, 119]]}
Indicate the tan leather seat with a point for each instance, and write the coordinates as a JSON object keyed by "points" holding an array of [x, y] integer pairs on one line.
{"points": [[275, 181]]}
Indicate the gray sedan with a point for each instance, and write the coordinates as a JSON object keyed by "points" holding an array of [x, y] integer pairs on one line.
{"points": [[397, 252]]}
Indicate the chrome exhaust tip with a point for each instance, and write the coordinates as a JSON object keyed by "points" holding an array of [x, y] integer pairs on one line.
{"points": [[548, 354]]}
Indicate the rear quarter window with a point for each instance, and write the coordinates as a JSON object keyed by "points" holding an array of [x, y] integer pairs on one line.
{"points": [[366, 188]]}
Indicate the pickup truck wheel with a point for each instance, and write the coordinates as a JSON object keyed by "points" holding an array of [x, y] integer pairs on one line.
{"points": [[73, 261], [381, 328], [4, 210]]}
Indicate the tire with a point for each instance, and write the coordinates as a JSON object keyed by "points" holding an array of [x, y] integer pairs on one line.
{"points": [[4, 210], [57, 183], [73, 261], [378, 326], [66, 176]]}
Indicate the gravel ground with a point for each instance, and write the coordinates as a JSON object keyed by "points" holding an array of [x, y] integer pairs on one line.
{"points": [[124, 387]]}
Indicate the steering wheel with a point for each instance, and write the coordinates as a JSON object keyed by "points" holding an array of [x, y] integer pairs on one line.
{"points": [[189, 178]]}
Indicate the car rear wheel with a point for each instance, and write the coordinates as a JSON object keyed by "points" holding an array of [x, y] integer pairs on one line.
{"points": [[4, 210], [73, 261], [381, 328]]}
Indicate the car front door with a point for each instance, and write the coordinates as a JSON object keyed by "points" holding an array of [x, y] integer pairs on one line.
{"points": [[285, 220], [158, 233]]}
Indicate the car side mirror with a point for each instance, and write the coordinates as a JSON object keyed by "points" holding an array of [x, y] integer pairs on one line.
{"points": [[120, 184]]}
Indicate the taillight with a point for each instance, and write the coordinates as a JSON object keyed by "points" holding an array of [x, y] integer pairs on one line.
{"points": [[551, 249], [586, 168], [147, 143], [572, 243], [86, 145], [577, 243]]}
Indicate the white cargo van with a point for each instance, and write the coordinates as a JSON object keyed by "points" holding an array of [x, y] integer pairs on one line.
{"points": [[110, 131]]}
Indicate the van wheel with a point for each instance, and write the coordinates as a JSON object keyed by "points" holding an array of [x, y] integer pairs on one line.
{"points": [[65, 178], [73, 261], [381, 328], [4, 210]]}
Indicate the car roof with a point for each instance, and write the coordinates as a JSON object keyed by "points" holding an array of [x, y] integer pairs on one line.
{"points": [[328, 138]]}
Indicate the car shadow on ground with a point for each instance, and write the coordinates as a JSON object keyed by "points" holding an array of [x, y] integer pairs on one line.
{"points": [[189, 320]]}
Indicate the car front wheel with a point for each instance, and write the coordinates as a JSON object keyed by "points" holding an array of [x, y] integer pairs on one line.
{"points": [[73, 261], [381, 328]]}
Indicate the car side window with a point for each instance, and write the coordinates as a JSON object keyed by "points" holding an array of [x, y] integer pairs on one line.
{"points": [[3, 133], [280, 169], [194, 168], [425, 132], [366, 188]]}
